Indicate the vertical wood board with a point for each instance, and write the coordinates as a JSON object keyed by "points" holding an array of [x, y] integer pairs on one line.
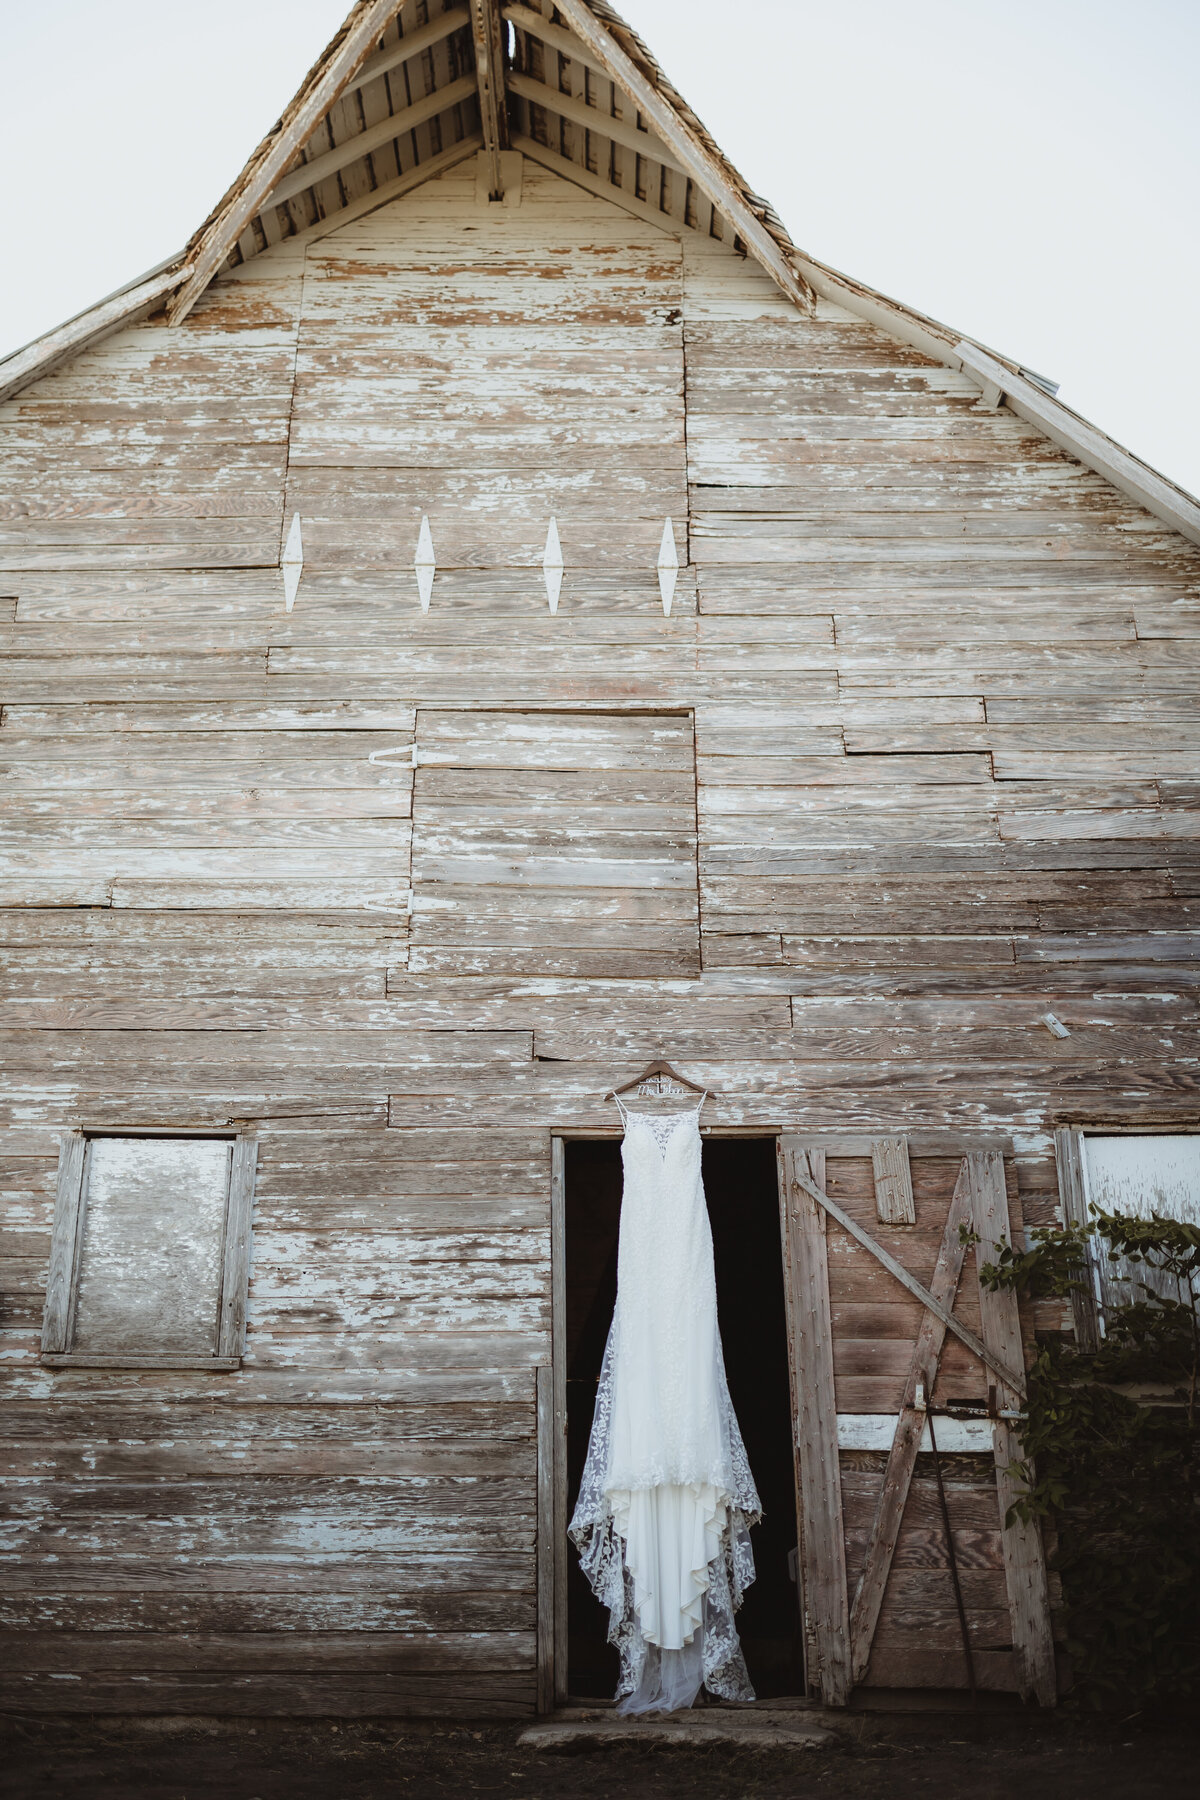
{"points": [[825, 1594], [1024, 1557], [893, 1181], [546, 1510], [64, 1244], [1068, 1151], [902, 1458], [558, 1277]]}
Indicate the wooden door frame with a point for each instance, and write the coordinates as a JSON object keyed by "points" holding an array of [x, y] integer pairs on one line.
{"points": [[551, 1398], [552, 1459]]}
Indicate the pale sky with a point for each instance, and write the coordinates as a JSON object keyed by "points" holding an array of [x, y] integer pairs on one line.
{"points": [[1025, 170]]}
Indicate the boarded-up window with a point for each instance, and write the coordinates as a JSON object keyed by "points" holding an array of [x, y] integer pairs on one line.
{"points": [[150, 1253], [555, 843]]}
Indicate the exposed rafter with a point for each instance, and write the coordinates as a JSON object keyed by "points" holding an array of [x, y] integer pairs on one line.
{"points": [[363, 142], [525, 19], [486, 31], [686, 145], [596, 184], [413, 178], [589, 119], [414, 44], [325, 84]]}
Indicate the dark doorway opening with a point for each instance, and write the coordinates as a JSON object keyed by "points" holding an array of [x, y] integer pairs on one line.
{"points": [[743, 1208]]}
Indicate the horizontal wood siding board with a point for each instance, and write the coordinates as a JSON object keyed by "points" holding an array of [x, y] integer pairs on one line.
{"points": [[469, 1694]]}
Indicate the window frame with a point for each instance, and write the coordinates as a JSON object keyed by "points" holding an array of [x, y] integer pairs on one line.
{"points": [[1069, 1157], [66, 1246]]}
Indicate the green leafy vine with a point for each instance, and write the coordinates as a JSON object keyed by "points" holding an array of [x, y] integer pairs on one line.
{"points": [[1113, 1460]]}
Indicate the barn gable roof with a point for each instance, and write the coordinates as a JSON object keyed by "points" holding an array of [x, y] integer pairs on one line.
{"points": [[403, 93]]}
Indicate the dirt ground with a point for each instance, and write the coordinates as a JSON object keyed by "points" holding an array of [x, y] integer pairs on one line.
{"points": [[872, 1757]]}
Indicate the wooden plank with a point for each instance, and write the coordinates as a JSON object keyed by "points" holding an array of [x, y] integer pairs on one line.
{"points": [[323, 1609], [547, 1436], [474, 1694], [902, 1458], [235, 1274], [1078, 438], [588, 118], [1024, 1557], [332, 162], [65, 1245], [825, 1594], [490, 80], [1068, 1151], [364, 1652], [893, 1181], [808, 1647], [558, 1331], [54, 347], [593, 184]]}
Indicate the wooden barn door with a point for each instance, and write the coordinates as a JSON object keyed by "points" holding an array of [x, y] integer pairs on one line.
{"points": [[892, 1336]]}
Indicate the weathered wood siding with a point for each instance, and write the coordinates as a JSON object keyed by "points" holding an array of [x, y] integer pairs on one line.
{"points": [[937, 687]]}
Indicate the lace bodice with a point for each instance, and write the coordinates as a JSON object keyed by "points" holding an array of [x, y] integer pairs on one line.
{"points": [[663, 1126]]}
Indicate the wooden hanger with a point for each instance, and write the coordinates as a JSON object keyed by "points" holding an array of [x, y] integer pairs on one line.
{"points": [[652, 1069]]}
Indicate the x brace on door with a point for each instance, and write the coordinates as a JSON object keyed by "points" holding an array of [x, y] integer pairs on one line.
{"points": [[842, 1639], [1009, 1376]]}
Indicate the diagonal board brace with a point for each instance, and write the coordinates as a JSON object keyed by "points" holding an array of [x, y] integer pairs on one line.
{"points": [[995, 1363], [902, 1459]]}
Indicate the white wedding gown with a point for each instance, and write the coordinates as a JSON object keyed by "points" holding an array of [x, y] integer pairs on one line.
{"points": [[667, 1499]]}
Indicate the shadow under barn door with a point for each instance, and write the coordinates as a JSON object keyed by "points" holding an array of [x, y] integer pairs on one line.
{"points": [[743, 1206]]}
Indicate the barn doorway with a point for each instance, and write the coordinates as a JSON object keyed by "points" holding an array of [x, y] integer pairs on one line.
{"points": [[743, 1205]]}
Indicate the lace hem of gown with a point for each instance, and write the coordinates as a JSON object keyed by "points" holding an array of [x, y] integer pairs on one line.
{"points": [[653, 1677]]}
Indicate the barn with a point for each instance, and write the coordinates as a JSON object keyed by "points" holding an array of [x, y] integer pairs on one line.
{"points": [[491, 618]]}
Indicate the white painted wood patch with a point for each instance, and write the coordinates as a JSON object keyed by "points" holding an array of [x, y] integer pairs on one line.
{"points": [[153, 1239], [875, 1431]]}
